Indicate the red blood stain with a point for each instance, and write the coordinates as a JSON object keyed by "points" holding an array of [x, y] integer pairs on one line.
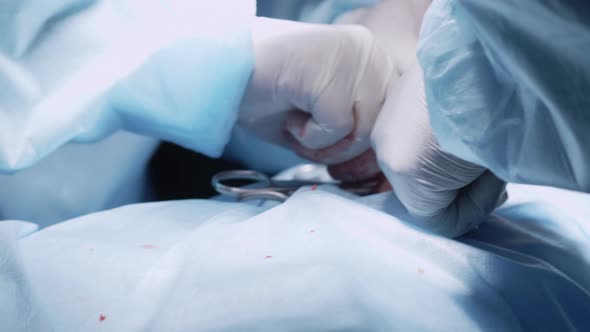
{"points": [[267, 257], [148, 246], [101, 318], [314, 187]]}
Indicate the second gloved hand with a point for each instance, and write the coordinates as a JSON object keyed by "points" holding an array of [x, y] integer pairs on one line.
{"points": [[317, 89], [442, 193], [395, 24]]}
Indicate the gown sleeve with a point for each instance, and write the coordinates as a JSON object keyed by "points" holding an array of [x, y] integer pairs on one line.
{"points": [[508, 86], [79, 70]]}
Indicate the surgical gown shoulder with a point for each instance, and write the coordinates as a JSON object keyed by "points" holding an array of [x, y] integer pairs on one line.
{"points": [[506, 86]]}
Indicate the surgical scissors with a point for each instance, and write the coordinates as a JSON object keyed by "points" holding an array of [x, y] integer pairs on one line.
{"points": [[263, 187]]}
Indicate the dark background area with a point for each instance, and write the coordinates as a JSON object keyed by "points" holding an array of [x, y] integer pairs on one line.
{"points": [[178, 173]]}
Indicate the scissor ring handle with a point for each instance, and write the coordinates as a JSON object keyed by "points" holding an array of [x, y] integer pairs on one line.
{"points": [[245, 193]]}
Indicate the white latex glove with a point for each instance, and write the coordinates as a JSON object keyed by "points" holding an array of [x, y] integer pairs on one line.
{"points": [[323, 84], [444, 194], [395, 24]]}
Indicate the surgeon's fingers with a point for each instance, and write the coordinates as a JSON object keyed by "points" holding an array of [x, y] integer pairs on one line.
{"points": [[352, 145], [327, 93], [472, 206], [349, 102], [345, 149], [313, 133], [370, 99]]}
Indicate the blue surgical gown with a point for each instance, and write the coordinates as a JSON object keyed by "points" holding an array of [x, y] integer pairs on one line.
{"points": [[117, 76], [507, 86]]}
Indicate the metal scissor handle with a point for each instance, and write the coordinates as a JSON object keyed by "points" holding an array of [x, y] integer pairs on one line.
{"points": [[266, 188], [243, 193]]}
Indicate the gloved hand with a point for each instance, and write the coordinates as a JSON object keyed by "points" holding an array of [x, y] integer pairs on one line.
{"points": [[395, 24], [443, 193], [323, 85]]}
